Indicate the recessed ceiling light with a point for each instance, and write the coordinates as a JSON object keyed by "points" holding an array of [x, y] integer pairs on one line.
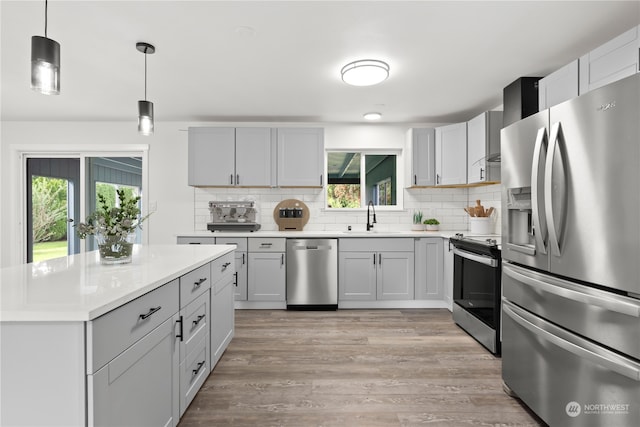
{"points": [[372, 116], [365, 72]]}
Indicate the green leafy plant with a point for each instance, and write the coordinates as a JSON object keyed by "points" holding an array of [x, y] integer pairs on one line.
{"points": [[431, 221], [417, 217], [112, 221]]}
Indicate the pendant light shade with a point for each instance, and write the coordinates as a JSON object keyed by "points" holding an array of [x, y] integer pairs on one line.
{"points": [[145, 117], [145, 108], [45, 62]]}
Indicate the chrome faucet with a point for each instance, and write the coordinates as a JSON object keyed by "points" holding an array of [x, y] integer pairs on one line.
{"points": [[370, 224]]}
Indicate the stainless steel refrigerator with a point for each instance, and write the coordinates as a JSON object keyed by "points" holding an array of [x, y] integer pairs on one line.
{"points": [[571, 259]]}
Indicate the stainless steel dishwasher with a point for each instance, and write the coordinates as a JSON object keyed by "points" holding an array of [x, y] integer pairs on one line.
{"points": [[312, 274]]}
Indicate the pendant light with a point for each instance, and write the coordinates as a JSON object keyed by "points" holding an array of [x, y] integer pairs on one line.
{"points": [[45, 62], [145, 108]]}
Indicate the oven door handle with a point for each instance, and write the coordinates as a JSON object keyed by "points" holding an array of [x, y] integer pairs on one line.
{"points": [[491, 262]]}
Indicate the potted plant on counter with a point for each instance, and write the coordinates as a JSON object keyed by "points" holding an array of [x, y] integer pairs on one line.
{"points": [[432, 224], [114, 228], [417, 221]]}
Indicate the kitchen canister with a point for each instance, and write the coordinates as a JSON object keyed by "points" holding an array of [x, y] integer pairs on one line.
{"points": [[480, 225]]}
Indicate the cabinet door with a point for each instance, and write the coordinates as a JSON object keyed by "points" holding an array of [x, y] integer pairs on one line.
{"points": [[559, 86], [266, 277], [428, 272], [476, 149], [357, 276], [139, 387], [395, 279], [240, 288], [222, 322], [451, 154], [423, 157], [300, 157], [211, 156], [254, 150], [614, 60]]}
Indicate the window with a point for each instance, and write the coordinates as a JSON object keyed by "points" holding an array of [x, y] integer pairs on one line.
{"points": [[355, 178]]}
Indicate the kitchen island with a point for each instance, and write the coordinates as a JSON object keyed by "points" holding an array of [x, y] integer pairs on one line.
{"points": [[88, 344]]}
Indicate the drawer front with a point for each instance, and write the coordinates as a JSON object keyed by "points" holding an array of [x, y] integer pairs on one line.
{"points": [[240, 242], [195, 323], [196, 240], [276, 244], [222, 267], [115, 331], [194, 370], [376, 244], [194, 283]]}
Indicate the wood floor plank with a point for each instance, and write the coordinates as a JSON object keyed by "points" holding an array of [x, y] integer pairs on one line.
{"points": [[354, 368]]}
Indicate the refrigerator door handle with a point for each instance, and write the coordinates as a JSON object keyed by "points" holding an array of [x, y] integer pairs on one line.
{"points": [[554, 235], [537, 199], [564, 289], [579, 347]]}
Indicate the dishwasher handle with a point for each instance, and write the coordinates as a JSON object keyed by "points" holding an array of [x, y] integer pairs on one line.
{"points": [[312, 248]]}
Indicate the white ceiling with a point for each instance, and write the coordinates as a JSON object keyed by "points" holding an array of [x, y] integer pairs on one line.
{"points": [[280, 61]]}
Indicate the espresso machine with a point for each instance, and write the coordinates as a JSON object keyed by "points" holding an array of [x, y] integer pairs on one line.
{"points": [[233, 216]]}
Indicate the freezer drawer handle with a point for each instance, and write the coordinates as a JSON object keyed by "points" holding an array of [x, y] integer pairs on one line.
{"points": [[491, 262], [626, 369], [561, 289], [527, 250]]}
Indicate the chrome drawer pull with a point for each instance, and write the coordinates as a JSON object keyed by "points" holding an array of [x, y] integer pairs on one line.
{"points": [[225, 265], [151, 311], [200, 365], [195, 322], [199, 282]]}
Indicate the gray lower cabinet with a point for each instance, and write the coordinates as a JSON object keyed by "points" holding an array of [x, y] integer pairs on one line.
{"points": [[376, 269], [222, 306], [267, 269], [138, 387], [194, 333], [429, 268], [240, 282], [447, 273], [132, 362]]}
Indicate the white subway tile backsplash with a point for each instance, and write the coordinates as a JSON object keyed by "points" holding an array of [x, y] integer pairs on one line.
{"points": [[445, 204]]}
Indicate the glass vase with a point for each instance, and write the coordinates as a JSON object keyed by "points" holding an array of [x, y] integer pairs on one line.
{"points": [[115, 249]]}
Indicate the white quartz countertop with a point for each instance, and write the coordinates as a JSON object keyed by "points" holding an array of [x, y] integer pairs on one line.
{"points": [[323, 234], [79, 288]]}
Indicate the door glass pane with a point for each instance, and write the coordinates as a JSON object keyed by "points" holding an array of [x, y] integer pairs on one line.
{"points": [[49, 217]]}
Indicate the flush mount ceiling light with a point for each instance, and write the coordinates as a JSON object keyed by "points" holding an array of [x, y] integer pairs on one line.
{"points": [[45, 62], [145, 108], [372, 116], [365, 72]]}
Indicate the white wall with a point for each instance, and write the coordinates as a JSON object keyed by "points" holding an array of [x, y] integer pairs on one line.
{"points": [[183, 209]]}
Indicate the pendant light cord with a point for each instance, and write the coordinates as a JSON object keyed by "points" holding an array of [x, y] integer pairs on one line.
{"points": [[46, 7], [145, 74]]}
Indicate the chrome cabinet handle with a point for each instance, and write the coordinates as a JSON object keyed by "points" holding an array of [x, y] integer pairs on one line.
{"points": [[151, 311], [195, 371], [197, 284], [195, 322]]}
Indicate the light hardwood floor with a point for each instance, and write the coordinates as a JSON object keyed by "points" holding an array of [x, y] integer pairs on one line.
{"points": [[354, 368]]}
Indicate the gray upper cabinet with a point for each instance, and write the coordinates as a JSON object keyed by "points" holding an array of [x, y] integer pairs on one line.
{"points": [[300, 157], [559, 86], [231, 156], [451, 154], [483, 144], [211, 156], [421, 146], [614, 60]]}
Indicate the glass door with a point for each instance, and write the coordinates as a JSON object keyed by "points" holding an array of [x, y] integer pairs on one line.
{"points": [[53, 194]]}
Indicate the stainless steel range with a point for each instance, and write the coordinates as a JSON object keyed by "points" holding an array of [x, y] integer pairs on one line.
{"points": [[476, 287]]}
